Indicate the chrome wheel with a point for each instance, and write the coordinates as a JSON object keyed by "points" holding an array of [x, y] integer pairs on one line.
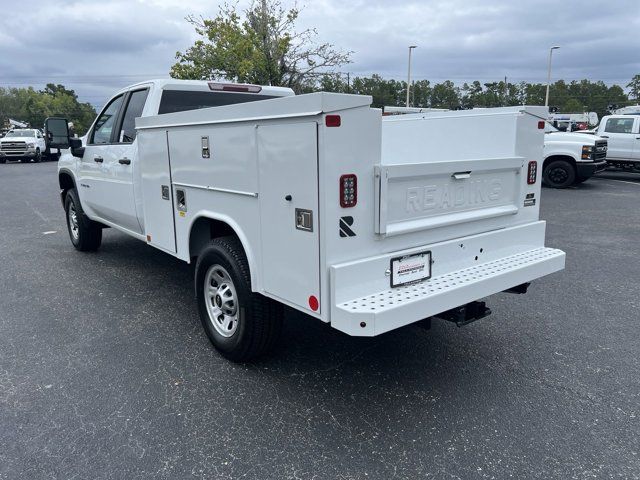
{"points": [[222, 300], [73, 222]]}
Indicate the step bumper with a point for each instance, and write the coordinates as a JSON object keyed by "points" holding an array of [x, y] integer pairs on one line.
{"points": [[391, 308]]}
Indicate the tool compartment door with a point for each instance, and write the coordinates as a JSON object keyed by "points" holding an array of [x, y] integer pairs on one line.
{"points": [[288, 175], [157, 192]]}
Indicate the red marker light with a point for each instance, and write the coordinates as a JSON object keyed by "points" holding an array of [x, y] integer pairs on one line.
{"points": [[541, 125], [313, 303], [332, 120]]}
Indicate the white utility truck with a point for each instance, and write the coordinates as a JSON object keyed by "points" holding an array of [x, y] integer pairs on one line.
{"points": [[314, 202]]}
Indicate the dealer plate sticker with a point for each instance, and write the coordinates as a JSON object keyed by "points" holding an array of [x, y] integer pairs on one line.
{"points": [[410, 269]]}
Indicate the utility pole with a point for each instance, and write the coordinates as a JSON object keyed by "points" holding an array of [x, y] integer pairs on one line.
{"points": [[546, 98], [506, 92], [411, 47]]}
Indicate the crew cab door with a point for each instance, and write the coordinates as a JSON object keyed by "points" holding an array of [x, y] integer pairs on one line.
{"points": [[622, 133], [107, 167]]}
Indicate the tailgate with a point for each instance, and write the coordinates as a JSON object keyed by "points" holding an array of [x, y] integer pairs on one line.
{"points": [[417, 196]]}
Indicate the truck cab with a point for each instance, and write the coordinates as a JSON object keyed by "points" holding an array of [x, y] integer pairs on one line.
{"points": [[571, 158], [623, 135], [106, 167]]}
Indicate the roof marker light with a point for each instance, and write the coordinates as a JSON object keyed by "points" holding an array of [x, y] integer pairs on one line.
{"points": [[234, 87]]}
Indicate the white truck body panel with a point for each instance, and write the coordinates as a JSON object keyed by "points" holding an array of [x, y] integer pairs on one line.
{"points": [[416, 191]]}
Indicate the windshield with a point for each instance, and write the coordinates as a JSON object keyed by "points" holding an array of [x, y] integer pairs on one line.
{"points": [[21, 133]]}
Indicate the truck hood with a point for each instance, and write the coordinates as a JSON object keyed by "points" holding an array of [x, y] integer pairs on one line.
{"points": [[18, 139], [571, 137]]}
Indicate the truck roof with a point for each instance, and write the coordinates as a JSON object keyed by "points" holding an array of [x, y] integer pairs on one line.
{"points": [[203, 85]]}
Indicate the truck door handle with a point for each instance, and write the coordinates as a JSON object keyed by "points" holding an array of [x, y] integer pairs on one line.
{"points": [[124, 161], [98, 159], [461, 175], [604, 136]]}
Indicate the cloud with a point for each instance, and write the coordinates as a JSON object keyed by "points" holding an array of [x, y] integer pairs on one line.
{"points": [[97, 46]]}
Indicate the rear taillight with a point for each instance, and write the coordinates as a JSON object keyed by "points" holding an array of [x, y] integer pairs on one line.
{"points": [[348, 190], [541, 125], [532, 173]]}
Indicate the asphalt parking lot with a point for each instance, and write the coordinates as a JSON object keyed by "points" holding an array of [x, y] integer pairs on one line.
{"points": [[105, 371]]}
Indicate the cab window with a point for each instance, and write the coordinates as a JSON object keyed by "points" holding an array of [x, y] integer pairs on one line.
{"points": [[106, 121], [619, 125], [135, 105]]}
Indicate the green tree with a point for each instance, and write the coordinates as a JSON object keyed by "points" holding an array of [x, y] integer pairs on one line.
{"points": [[634, 87], [29, 105], [259, 45]]}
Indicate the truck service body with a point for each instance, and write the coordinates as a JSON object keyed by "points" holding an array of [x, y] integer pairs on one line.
{"points": [[362, 222]]}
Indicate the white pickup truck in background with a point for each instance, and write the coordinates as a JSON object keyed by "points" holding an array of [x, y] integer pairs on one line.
{"points": [[314, 202], [623, 135], [22, 144]]}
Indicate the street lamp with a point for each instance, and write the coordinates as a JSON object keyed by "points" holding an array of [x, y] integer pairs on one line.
{"points": [[546, 98], [411, 47]]}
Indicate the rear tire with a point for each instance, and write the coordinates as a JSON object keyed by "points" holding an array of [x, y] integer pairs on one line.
{"points": [[85, 234], [558, 174], [241, 325]]}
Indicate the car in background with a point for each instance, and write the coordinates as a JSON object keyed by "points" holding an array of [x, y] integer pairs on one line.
{"points": [[25, 144]]}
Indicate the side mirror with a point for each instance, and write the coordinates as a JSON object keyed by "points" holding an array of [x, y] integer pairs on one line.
{"points": [[56, 132], [77, 150]]}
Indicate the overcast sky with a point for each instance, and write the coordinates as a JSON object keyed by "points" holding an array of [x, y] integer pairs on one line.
{"points": [[96, 47]]}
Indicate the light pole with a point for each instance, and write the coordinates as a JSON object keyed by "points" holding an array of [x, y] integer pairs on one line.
{"points": [[411, 47], [546, 98]]}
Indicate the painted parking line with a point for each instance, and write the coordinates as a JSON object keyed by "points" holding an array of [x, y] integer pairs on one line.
{"points": [[637, 184]]}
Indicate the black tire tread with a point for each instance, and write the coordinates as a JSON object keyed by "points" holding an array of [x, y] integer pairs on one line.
{"points": [[265, 323], [90, 232], [572, 176]]}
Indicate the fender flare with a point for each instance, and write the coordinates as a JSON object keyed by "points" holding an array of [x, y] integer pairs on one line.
{"points": [[237, 229]]}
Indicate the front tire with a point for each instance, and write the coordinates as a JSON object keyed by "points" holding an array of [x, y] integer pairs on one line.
{"points": [[558, 174], [241, 324], [85, 234], [38, 157]]}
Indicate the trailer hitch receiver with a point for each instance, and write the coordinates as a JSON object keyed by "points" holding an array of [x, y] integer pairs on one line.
{"points": [[466, 314]]}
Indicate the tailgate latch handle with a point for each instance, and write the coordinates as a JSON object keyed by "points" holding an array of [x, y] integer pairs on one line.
{"points": [[461, 175]]}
